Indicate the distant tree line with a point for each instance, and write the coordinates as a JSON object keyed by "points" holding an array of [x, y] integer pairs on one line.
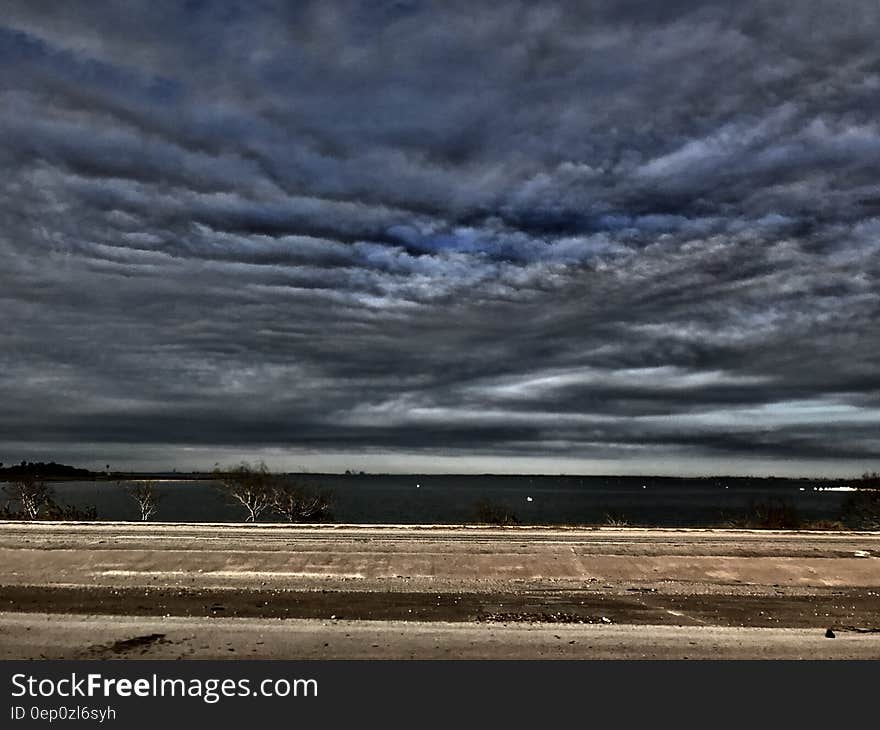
{"points": [[41, 470]]}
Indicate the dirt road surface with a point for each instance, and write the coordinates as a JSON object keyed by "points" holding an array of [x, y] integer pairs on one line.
{"points": [[272, 591]]}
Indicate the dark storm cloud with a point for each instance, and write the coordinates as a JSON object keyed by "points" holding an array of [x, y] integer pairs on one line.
{"points": [[575, 230]]}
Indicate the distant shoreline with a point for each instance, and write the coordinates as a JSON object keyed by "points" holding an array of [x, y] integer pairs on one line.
{"points": [[8, 475]]}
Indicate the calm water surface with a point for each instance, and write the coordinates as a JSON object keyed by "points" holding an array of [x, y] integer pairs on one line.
{"points": [[412, 499]]}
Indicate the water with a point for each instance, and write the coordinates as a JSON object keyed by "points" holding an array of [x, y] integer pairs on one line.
{"points": [[413, 499]]}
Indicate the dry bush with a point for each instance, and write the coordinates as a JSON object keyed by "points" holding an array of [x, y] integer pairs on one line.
{"points": [[773, 514], [36, 501], [259, 490], [253, 487], [490, 513], [144, 494], [299, 503], [861, 509], [34, 498], [614, 519]]}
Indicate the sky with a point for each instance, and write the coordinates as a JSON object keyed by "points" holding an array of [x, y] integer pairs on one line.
{"points": [[587, 237]]}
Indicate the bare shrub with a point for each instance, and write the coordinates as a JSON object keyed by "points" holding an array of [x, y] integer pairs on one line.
{"points": [[70, 512], [253, 487], [772, 514], [299, 503], [861, 509], [614, 519], [32, 495], [144, 494], [490, 513], [36, 501]]}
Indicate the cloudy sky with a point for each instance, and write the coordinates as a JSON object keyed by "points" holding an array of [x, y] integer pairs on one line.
{"points": [[537, 236]]}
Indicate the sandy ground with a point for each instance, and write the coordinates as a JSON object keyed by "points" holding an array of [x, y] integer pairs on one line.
{"points": [[117, 637], [273, 591]]}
